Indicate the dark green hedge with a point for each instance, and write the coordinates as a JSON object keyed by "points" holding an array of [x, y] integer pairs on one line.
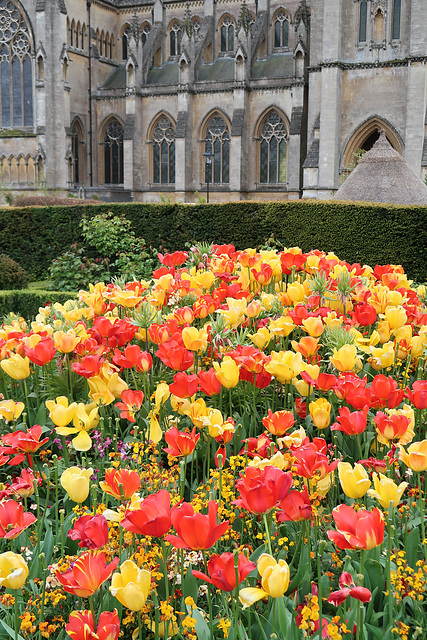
{"points": [[27, 302], [357, 232]]}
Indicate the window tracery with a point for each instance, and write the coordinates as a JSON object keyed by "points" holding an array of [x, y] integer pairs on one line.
{"points": [[217, 141], [164, 152], [16, 87], [273, 149], [113, 153], [281, 31], [227, 35]]}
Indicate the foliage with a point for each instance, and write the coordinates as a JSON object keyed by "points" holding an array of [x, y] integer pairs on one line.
{"points": [[26, 302], [359, 232], [73, 270], [12, 275]]}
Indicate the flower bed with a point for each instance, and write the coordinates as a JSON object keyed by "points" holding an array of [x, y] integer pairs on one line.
{"points": [[233, 449]]}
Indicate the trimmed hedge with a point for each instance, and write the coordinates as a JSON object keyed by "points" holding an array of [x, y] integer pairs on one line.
{"points": [[357, 232], [27, 302]]}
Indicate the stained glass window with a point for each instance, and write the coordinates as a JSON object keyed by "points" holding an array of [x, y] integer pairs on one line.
{"points": [[217, 141], [113, 153], [227, 35], [363, 20], [273, 150], [281, 31], [175, 35], [396, 19], [164, 152], [16, 88]]}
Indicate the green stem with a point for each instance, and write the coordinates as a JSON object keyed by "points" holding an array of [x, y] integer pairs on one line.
{"points": [[267, 533], [421, 498], [388, 563], [209, 597]]}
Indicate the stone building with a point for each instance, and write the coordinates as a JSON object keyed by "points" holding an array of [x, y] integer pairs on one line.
{"points": [[263, 99]]}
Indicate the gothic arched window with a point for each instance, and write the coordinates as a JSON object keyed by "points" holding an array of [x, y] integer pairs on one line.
{"points": [[281, 31], [113, 153], [16, 86], [77, 137], [164, 152], [227, 35], [273, 149], [217, 141], [145, 30], [363, 20], [125, 40], [175, 35]]}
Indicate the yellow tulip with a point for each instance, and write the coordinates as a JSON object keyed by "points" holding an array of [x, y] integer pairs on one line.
{"points": [[60, 412], [294, 439], [254, 308], [13, 570], [161, 394], [285, 365], [386, 490], [267, 300], [131, 586], [76, 483], [204, 279], [195, 339], [382, 357], [66, 342], [417, 347], [16, 367], [384, 331], [11, 410], [104, 390], [354, 481], [313, 326], [320, 412], [396, 317], [155, 433], [196, 411], [416, 456], [181, 405], [126, 299], [85, 417], [332, 321], [274, 581], [261, 338], [227, 372], [345, 358], [296, 292], [282, 326]]}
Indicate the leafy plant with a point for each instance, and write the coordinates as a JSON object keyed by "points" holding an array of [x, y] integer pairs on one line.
{"points": [[72, 270], [12, 275]]}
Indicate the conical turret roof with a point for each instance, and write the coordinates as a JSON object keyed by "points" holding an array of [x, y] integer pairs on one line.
{"points": [[383, 175]]}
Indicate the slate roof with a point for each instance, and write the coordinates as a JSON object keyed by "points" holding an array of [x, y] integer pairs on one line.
{"points": [[278, 65], [221, 69], [116, 79], [167, 74], [384, 176]]}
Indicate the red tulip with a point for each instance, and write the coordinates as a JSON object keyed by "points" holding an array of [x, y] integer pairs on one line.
{"points": [[295, 507], [263, 276], [195, 530], [174, 259], [301, 408], [312, 462], [81, 626], [345, 383], [42, 352], [290, 261], [359, 397], [418, 394], [351, 423], [152, 518], [13, 520], [262, 489], [261, 447], [391, 427], [209, 383], [23, 485], [133, 357], [92, 531], [89, 366], [385, 392], [132, 402], [222, 571], [181, 444], [348, 588], [279, 422], [87, 574], [364, 314], [121, 483], [22, 443], [175, 356], [184, 385], [357, 529]]}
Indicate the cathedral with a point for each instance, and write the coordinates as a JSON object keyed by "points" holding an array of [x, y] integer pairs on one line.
{"points": [[148, 100]]}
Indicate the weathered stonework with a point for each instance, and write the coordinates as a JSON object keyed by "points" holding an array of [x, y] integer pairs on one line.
{"points": [[327, 85]]}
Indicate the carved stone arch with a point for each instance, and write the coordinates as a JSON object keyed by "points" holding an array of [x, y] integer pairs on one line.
{"points": [[131, 66], [156, 120], [264, 115], [174, 33], [28, 22], [365, 135], [278, 11], [217, 111]]}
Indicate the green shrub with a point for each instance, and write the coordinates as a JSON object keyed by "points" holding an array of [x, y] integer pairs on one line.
{"points": [[27, 302], [356, 232], [12, 276], [73, 270]]}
